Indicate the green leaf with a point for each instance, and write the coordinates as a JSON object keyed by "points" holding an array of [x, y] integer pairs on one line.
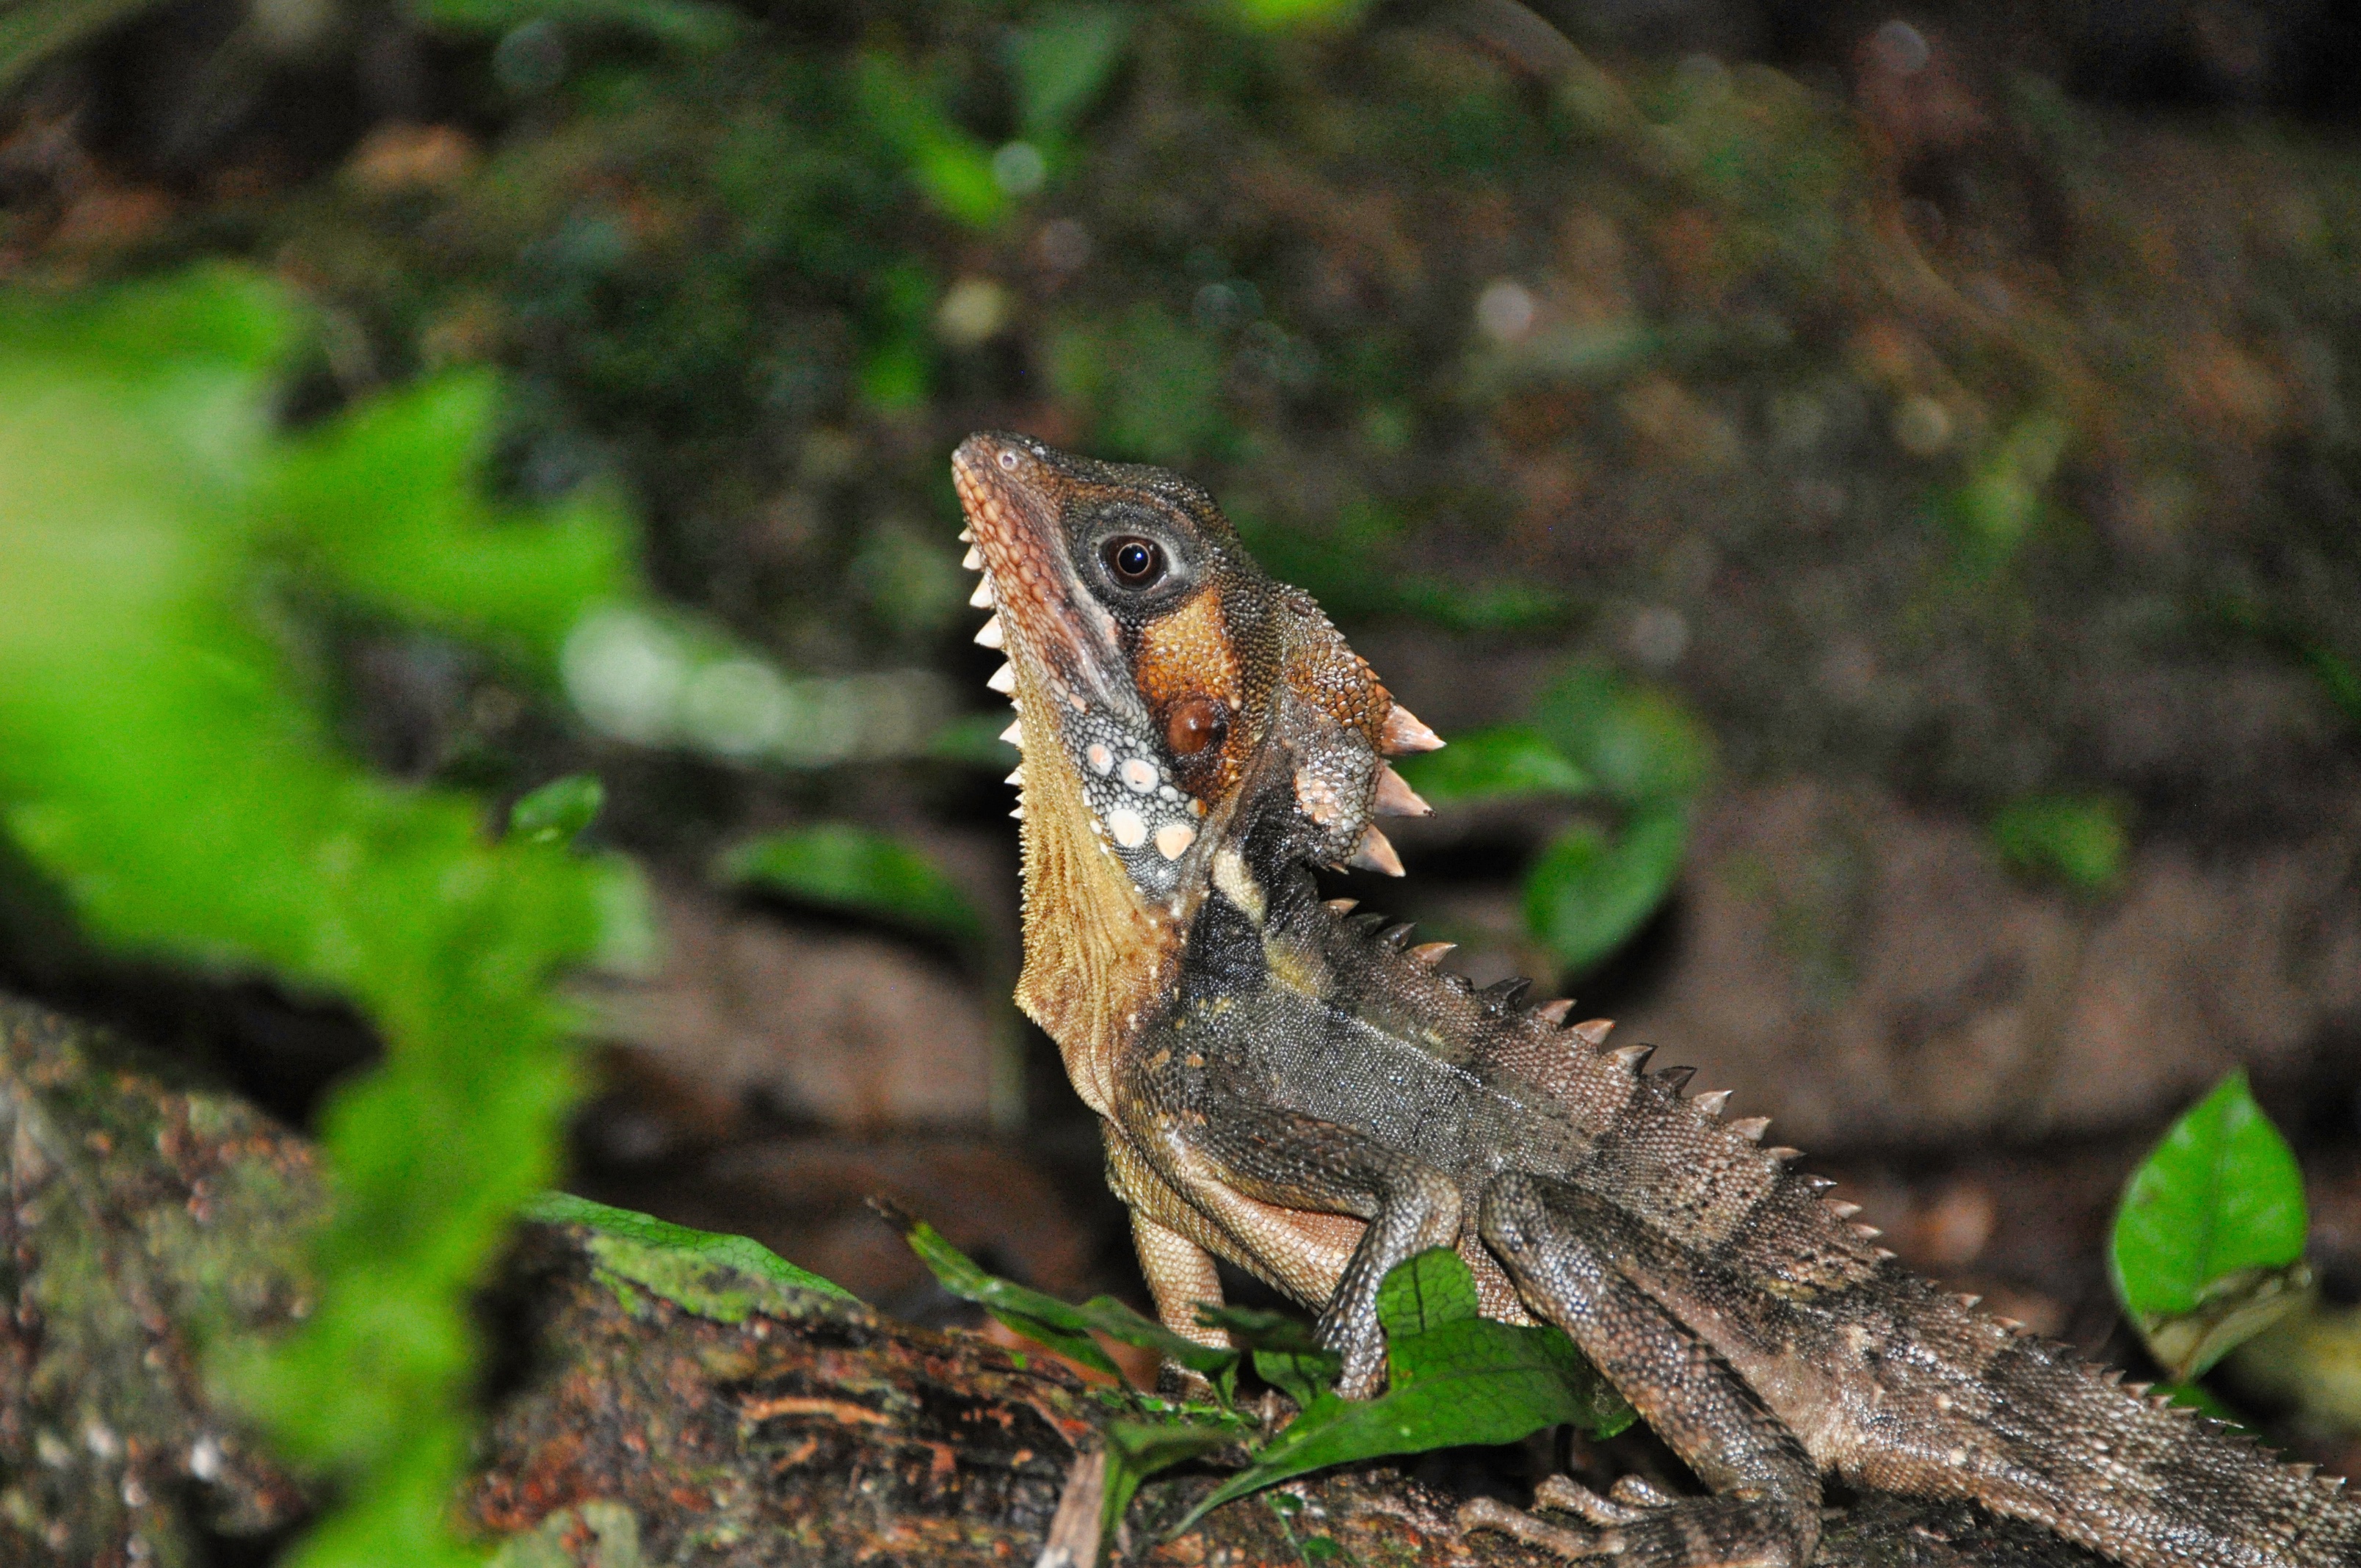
{"points": [[1590, 889], [171, 770], [1638, 744], [1063, 60], [559, 810], [1462, 1379], [1062, 1326], [2079, 840], [691, 1268], [1137, 1450], [1423, 1293], [952, 168], [840, 866], [1506, 762], [2209, 1238], [1286, 1355]]}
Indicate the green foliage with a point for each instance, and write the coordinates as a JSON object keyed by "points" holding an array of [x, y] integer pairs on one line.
{"points": [[1063, 1327], [166, 764], [840, 866], [1154, 386], [2000, 505], [1351, 566], [1457, 1378], [1493, 765], [559, 811], [2208, 1243], [952, 168], [717, 1276], [1062, 62], [1595, 735], [690, 27], [1279, 14], [2080, 840]]}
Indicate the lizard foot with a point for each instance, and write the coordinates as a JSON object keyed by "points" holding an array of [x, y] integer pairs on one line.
{"points": [[1643, 1528]]}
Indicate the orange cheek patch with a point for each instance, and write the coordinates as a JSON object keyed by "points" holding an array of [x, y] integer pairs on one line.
{"points": [[1188, 671]]}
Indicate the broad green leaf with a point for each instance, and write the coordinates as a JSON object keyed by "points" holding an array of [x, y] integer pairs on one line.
{"points": [[1590, 889], [842, 866], [2209, 1239], [1464, 1379], [1423, 1293], [1506, 762], [559, 811], [688, 1267], [1638, 744], [1062, 1326], [2077, 840]]}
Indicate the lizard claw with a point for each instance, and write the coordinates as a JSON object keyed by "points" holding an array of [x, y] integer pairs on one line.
{"points": [[1640, 1493], [1566, 1495], [1490, 1513]]}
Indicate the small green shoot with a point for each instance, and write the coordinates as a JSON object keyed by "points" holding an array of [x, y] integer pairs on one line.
{"points": [[2079, 840], [2208, 1245], [836, 865], [559, 811]]}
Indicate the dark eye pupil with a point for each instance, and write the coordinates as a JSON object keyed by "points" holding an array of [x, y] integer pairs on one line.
{"points": [[1134, 561]]}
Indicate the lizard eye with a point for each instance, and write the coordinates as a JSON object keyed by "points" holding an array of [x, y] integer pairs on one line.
{"points": [[1134, 562]]}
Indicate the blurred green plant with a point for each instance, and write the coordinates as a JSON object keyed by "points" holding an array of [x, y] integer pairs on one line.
{"points": [[839, 865], [1595, 736], [2208, 1244], [559, 811], [2080, 841], [690, 27], [1996, 510], [1454, 1377], [168, 761]]}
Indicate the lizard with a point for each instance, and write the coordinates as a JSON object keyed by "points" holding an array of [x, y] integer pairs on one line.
{"points": [[1291, 1085]]}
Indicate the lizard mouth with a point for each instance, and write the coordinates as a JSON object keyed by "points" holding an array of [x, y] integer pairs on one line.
{"points": [[1085, 730], [1013, 497]]}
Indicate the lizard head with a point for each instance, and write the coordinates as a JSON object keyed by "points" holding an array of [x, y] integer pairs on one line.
{"points": [[1168, 692]]}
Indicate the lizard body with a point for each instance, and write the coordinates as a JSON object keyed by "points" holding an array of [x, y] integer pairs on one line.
{"points": [[1291, 1086]]}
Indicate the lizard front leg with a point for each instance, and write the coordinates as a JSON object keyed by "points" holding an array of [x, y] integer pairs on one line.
{"points": [[1765, 1512], [1237, 1161]]}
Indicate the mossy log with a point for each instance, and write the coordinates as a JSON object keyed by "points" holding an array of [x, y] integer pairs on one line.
{"points": [[656, 1404]]}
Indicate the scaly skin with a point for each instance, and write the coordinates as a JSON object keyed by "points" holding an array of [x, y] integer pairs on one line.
{"points": [[1290, 1086]]}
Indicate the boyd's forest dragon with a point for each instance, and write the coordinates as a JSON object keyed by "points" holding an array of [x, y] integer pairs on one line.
{"points": [[1295, 1088]]}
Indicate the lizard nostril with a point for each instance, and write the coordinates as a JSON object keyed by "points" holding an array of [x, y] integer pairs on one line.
{"points": [[1008, 461]]}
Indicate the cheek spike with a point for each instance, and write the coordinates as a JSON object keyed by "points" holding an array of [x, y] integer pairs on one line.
{"points": [[1374, 853], [1403, 734]]}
